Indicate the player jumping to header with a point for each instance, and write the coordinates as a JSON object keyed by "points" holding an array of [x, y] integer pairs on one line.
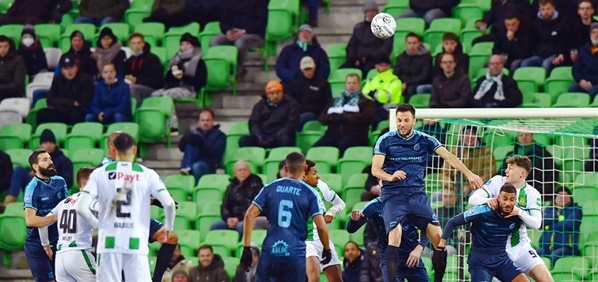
{"points": [[400, 160], [518, 246], [124, 209]]}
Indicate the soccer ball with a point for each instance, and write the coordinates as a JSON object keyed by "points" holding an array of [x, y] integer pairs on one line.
{"points": [[383, 25]]}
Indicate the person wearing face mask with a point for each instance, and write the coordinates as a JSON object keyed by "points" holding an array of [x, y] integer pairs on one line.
{"points": [[496, 89], [108, 50], [32, 52], [364, 46], [12, 70], [186, 74], [112, 99], [585, 69], [143, 70]]}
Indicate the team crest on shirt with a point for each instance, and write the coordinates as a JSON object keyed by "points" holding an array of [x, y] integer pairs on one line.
{"points": [[416, 147], [512, 226], [522, 201], [488, 182], [280, 248]]}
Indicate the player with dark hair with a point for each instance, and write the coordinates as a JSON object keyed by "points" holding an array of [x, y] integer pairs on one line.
{"points": [[490, 230], [400, 161], [288, 203], [42, 194]]}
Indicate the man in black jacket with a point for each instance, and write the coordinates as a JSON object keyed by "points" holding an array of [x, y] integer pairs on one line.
{"points": [[495, 89], [70, 94], [429, 10], [12, 70], [364, 47], [5, 171], [414, 66], [80, 50], [243, 24], [34, 12], [310, 91], [143, 69], [273, 121], [237, 199], [513, 41], [352, 262], [581, 29]]}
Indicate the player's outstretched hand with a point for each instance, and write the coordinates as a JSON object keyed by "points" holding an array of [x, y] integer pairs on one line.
{"points": [[328, 218], [515, 212], [326, 257], [413, 259], [398, 175], [356, 215], [492, 203], [49, 252], [246, 258], [476, 181]]}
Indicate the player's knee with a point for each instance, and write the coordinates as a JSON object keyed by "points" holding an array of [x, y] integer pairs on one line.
{"points": [[394, 236], [521, 278]]}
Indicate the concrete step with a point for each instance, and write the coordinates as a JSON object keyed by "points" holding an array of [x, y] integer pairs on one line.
{"points": [[340, 16]]}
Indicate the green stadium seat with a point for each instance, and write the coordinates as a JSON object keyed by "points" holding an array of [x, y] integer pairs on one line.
{"points": [[14, 136], [396, 7], [314, 125], [182, 223], [439, 27], [135, 17], [156, 212], [415, 25], [59, 130], [469, 33], [86, 157], [536, 100], [325, 158], [478, 57], [340, 237], [587, 180], [584, 194], [420, 101], [120, 30], [274, 158], [571, 268], [211, 208], [500, 153], [129, 127], [482, 4], [306, 139], [5, 5], [534, 236], [210, 30], [559, 81], [354, 161], [352, 195], [334, 181], [465, 12], [236, 131], [221, 62], [230, 266], [190, 239], [48, 34], [398, 45], [218, 181], [183, 184], [202, 196], [160, 52], [595, 103], [337, 79], [572, 100], [171, 39], [31, 116], [153, 32], [13, 232], [529, 79], [337, 55], [205, 221], [255, 156], [88, 30], [357, 237], [20, 157], [283, 20], [83, 136], [589, 224], [15, 208], [226, 239], [187, 210], [154, 117], [12, 31]]}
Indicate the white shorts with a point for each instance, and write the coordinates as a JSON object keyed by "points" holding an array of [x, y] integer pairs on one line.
{"points": [[524, 256], [111, 266], [75, 265], [315, 248]]}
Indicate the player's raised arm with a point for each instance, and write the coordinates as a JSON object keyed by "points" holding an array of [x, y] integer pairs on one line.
{"points": [[358, 220], [324, 238], [454, 222], [377, 162], [453, 161], [86, 198], [252, 212]]}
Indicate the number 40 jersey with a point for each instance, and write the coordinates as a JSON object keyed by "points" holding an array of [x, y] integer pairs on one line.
{"points": [[74, 232], [123, 190]]}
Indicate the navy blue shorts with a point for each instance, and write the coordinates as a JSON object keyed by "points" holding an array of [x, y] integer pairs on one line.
{"points": [[41, 267], [154, 227], [483, 266], [415, 274], [270, 269], [396, 207]]}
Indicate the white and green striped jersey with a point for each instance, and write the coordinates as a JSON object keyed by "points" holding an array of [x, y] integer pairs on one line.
{"points": [[328, 195], [124, 190], [527, 197], [74, 232]]}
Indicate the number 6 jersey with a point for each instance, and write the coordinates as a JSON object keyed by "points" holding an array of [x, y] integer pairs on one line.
{"points": [[123, 190], [74, 232]]}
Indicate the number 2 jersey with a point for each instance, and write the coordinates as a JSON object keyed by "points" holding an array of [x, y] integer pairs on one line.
{"points": [[288, 204], [123, 190], [527, 198], [74, 232]]}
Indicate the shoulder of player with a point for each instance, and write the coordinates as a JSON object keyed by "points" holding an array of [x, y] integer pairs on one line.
{"points": [[372, 203], [58, 178], [477, 210]]}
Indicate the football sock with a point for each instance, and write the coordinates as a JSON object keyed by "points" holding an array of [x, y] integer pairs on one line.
{"points": [[163, 261], [392, 262], [439, 264]]}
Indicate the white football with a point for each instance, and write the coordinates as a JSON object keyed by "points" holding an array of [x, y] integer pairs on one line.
{"points": [[383, 25]]}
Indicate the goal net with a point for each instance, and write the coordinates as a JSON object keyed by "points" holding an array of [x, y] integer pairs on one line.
{"points": [[562, 144]]}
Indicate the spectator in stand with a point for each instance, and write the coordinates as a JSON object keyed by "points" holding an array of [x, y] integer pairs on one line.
{"points": [[585, 70], [348, 118], [273, 121], [289, 60], [414, 66], [591, 164], [551, 37], [585, 11], [310, 91], [6, 171], [243, 187], [429, 10], [495, 17], [248, 276], [496, 89], [101, 12], [21, 177], [562, 224], [544, 173], [448, 210], [364, 46], [370, 270], [32, 52], [450, 45], [178, 265], [187, 74], [352, 263], [108, 50], [112, 99], [178, 276], [210, 268], [143, 70], [36, 12], [513, 41], [568, 8], [475, 154], [12, 70], [81, 51], [70, 94], [203, 147], [170, 13], [451, 88], [384, 89], [243, 24]]}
